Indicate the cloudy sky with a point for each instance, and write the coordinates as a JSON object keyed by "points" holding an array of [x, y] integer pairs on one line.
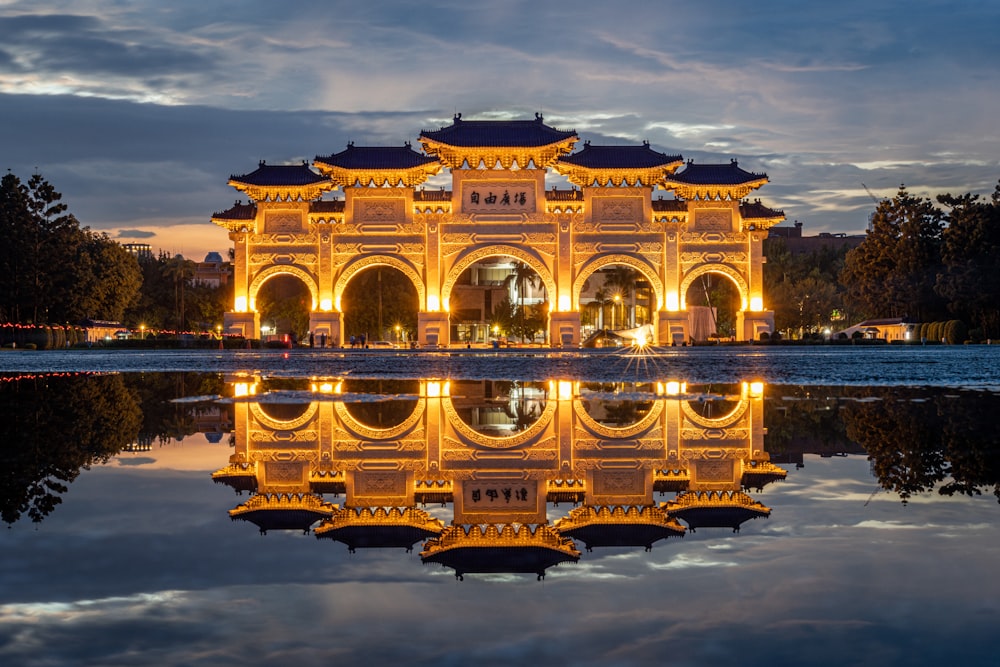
{"points": [[139, 111]]}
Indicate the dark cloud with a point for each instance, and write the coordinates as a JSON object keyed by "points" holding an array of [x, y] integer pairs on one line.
{"points": [[134, 234], [87, 45]]}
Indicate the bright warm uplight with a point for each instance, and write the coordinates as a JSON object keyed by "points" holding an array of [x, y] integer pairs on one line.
{"points": [[326, 304], [564, 303], [640, 340], [241, 304], [673, 301], [241, 389], [433, 303], [432, 390], [756, 389], [756, 304], [565, 390], [673, 388]]}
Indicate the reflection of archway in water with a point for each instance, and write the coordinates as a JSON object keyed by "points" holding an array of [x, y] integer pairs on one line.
{"points": [[283, 416], [717, 408], [616, 410], [379, 297], [284, 301], [385, 414], [718, 289], [507, 415]]}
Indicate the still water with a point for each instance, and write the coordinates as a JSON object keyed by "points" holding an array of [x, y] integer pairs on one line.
{"points": [[734, 507]]}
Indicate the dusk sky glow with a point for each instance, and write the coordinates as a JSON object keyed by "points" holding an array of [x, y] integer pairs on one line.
{"points": [[139, 111]]}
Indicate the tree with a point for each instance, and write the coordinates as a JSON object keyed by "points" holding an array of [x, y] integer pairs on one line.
{"points": [[54, 270], [894, 270], [361, 302], [970, 279]]}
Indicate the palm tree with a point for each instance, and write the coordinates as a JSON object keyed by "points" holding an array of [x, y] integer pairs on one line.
{"points": [[600, 300], [521, 275], [179, 270], [624, 279]]}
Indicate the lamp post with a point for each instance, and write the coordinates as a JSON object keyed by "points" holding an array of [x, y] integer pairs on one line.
{"points": [[398, 328], [618, 299], [142, 332]]}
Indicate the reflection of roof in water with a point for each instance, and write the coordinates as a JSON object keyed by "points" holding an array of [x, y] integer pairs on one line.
{"points": [[240, 476], [365, 527], [715, 509], [619, 526], [761, 473], [508, 550], [283, 511]]}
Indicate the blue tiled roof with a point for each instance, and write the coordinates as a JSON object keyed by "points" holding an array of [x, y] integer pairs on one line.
{"points": [[327, 206], [376, 157], [715, 174], [280, 175], [669, 205], [238, 211], [498, 133], [619, 157], [756, 210]]}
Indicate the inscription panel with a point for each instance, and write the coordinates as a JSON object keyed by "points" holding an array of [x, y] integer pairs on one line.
{"points": [[498, 196]]}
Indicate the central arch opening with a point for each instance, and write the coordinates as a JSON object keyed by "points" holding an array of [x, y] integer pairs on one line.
{"points": [[380, 304], [712, 300], [284, 303], [617, 302], [499, 298]]}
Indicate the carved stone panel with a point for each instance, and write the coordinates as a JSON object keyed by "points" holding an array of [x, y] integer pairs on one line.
{"points": [[617, 209], [713, 221], [378, 210], [282, 221]]}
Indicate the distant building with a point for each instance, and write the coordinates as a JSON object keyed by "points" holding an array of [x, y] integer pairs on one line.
{"points": [[140, 250], [212, 271], [891, 328], [802, 245]]}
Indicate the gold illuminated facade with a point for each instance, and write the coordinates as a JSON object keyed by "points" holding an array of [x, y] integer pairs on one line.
{"points": [[499, 206], [497, 457]]}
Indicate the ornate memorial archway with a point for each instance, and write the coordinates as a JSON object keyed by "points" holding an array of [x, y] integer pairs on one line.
{"points": [[499, 206]]}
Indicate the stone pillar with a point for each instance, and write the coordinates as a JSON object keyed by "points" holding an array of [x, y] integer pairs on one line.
{"points": [[241, 324], [750, 324], [564, 329], [433, 329], [330, 324], [673, 328]]}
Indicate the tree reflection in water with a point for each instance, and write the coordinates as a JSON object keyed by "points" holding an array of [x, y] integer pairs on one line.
{"points": [[53, 426]]}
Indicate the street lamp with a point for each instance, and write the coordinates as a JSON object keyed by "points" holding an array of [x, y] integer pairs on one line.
{"points": [[397, 333], [142, 332], [618, 299]]}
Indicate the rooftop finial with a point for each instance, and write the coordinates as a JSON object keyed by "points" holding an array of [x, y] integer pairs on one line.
{"points": [[458, 116], [539, 117], [261, 163]]}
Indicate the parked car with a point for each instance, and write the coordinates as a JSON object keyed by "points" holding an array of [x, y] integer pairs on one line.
{"points": [[381, 345]]}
